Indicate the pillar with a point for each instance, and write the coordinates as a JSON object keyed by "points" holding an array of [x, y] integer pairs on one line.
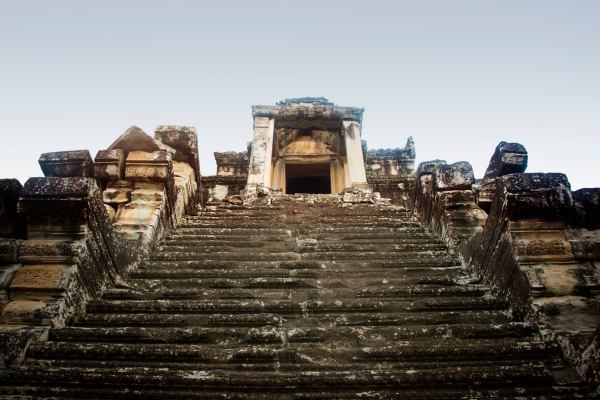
{"points": [[279, 176], [260, 169], [337, 177], [354, 154]]}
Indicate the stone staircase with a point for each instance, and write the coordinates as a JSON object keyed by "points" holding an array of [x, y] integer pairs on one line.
{"points": [[298, 300]]}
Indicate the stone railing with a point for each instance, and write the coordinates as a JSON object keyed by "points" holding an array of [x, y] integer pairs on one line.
{"points": [[85, 225], [527, 236]]}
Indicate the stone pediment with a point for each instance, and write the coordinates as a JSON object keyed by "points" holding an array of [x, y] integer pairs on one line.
{"points": [[306, 146]]}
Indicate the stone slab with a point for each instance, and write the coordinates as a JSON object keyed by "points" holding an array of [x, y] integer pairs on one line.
{"points": [[67, 164]]}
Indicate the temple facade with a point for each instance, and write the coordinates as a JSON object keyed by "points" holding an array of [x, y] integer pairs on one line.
{"points": [[308, 267]]}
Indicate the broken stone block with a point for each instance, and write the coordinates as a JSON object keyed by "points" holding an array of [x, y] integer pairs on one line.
{"points": [[7, 272], [427, 167], [67, 164], [118, 192], [109, 165], [47, 278], [138, 216], [586, 213], [358, 195], [457, 176], [231, 163], [185, 180], [184, 140], [484, 193], [235, 199], [135, 139], [141, 165], [148, 192], [111, 212], [11, 225], [536, 195], [508, 158]]}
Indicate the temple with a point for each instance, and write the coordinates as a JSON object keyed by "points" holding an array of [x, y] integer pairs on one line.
{"points": [[308, 267]]}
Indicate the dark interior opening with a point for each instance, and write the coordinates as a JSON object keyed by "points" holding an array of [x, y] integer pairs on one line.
{"points": [[308, 178]]}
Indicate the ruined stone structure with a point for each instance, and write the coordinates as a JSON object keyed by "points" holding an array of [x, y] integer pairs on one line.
{"points": [[308, 268]]}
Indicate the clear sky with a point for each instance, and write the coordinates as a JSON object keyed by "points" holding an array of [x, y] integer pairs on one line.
{"points": [[458, 76]]}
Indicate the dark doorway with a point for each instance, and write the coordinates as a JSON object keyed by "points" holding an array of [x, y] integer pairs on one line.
{"points": [[308, 178]]}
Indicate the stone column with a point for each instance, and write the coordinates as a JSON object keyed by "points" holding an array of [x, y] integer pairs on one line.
{"points": [[347, 181], [262, 148], [356, 163], [279, 176], [337, 177]]}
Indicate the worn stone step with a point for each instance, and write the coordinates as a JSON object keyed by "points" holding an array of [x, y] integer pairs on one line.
{"points": [[348, 319], [228, 235], [248, 247], [380, 248], [515, 379], [289, 288], [222, 273], [226, 264], [150, 355], [343, 236], [233, 241], [293, 307], [440, 335], [375, 255], [234, 231], [222, 255]]}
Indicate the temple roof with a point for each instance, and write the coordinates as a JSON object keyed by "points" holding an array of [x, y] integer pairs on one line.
{"points": [[308, 108]]}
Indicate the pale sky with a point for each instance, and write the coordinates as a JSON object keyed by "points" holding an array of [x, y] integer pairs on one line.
{"points": [[458, 76]]}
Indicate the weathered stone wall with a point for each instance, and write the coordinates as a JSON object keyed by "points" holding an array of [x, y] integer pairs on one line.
{"points": [[528, 237], [84, 234], [391, 172], [218, 188]]}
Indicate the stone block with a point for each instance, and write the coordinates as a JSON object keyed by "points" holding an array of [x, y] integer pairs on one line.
{"points": [[118, 192], [457, 176], [9, 251], [45, 278], [508, 158], [11, 225], [358, 195], [109, 165], [184, 140], [7, 273], [185, 180], [535, 195], [67, 164], [586, 213], [148, 192], [141, 165], [135, 139], [111, 212], [427, 167], [138, 214]]}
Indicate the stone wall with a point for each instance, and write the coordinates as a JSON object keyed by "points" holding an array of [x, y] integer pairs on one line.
{"points": [[527, 236], [69, 236], [391, 172]]}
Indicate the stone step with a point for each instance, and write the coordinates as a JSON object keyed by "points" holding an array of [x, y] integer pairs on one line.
{"points": [[309, 307], [276, 288], [222, 255], [375, 255], [253, 320], [294, 357], [417, 265], [234, 231], [440, 335], [248, 247], [441, 383]]}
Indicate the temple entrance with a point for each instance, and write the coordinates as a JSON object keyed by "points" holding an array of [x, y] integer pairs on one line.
{"points": [[308, 178]]}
